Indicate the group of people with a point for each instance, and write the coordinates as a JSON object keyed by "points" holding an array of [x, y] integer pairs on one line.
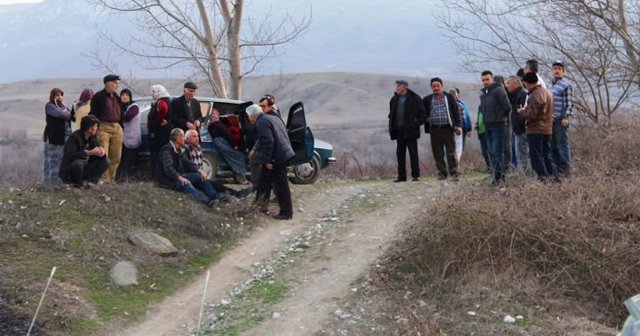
{"points": [[520, 124], [104, 147]]}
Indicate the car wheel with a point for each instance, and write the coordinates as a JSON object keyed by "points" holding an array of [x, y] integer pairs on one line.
{"points": [[306, 173], [210, 164]]}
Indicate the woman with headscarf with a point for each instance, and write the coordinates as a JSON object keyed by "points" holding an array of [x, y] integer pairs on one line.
{"points": [[158, 121], [82, 106], [132, 135], [56, 132]]}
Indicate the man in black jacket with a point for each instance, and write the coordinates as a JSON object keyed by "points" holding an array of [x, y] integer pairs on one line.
{"points": [[175, 171], [84, 161], [185, 110], [495, 108], [443, 116], [406, 114], [517, 97]]}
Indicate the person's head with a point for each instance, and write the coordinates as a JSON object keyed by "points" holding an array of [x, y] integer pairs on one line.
{"points": [[266, 103], [192, 138], [487, 78], [513, 83], [111, 83], [85, 96], [531, 66], [158, 91], [557, 68], [437, 86], [530, 80], [126, 96], [520, 73], [177, 136], [253, 112], [499, 80], [454, 93], [215, 115], [401, 87], [55, 96], [190, 90], [89, 124]]}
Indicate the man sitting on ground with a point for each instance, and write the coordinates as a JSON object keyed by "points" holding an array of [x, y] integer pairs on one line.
{"points": [[177, 172], [83, 161]]}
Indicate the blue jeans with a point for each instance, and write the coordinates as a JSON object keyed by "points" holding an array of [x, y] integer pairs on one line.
{"points": [[540, 155], [522, 153], [495, 140], [484, 149], [560, 151], [201, 190]]}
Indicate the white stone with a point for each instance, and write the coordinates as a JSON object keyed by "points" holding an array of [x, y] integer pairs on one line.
{"points": [[509, 319]]}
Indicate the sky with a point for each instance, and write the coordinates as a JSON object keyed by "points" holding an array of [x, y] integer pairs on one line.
{"points": [[13, 2]]}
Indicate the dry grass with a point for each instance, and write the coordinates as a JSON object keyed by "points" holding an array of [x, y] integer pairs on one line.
{"points": [[544, 250]]}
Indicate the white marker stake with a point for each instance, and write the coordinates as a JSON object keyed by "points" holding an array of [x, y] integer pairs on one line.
{"points": [[204, 295], [53, 271]]}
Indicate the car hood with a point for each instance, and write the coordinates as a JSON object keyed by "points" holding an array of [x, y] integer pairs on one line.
{"points": [[317, 143]]}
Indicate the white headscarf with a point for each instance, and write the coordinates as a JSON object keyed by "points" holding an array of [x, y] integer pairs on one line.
{"points": [[158, 91]]}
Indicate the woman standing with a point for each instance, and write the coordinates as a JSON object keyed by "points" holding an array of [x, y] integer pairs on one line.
{"points": [[158, 122], [82, 106], [132, 135], [56, 132]]}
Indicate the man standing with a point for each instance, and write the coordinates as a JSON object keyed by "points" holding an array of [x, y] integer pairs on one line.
{"points": [[275, 151], [539, 118], [406, 114], [175, 171], [443, 116], [495, 108], [517, 96], [532, 66], [185, 110], [84, 161], [562, 92], [105, 105]]}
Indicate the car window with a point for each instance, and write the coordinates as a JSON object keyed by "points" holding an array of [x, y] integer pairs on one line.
{"points": [[205, 107]]}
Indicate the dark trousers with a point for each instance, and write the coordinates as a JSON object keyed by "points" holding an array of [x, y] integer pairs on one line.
{"points": [[402, 145], [128, 163], [560, 150], [540, 156], [495, 139], [441, 138], [278, 177], [484, 149], [202, 191], [88, 170]]}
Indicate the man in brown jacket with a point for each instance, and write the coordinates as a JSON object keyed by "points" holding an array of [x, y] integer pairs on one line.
{"points": [[539, 123]]}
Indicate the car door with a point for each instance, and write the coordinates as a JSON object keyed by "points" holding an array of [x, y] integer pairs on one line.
{"points": [[299, 134]]}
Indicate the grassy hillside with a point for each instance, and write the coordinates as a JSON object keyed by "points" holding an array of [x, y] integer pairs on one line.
{"points": [[84, 233]]}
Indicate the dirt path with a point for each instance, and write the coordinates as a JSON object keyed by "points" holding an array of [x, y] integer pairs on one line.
{"points": [[363, 237]]}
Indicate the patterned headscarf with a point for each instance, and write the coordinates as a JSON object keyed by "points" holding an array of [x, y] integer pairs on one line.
{"points": [[85, 96], [158, 91]]}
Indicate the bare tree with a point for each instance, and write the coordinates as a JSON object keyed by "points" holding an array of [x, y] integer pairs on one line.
{"points": [[206, 36], [597, 40]]}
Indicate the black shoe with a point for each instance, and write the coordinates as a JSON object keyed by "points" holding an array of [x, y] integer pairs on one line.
{"points": [[283, 217], [400, 180], [415, 179], [442, 177]]}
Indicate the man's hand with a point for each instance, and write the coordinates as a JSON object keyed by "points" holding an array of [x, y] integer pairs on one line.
{"points": [[469, 133], [458, 130], [196, 123], [191, 126], [183, 180], [96, 151], [203, 175], [269, 166], [565, 122], [164, 122]]}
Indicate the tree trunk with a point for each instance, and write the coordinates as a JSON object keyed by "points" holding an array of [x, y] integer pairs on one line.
{"points": [[214, 75], [233, 20]]}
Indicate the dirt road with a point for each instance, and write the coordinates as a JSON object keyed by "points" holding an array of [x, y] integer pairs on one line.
{"points": [[369, 215]]}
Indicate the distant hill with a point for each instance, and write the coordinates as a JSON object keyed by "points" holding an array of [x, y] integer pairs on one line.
{"points": [[341, 100]]}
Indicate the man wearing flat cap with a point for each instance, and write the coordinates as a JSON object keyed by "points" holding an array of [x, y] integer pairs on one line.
{"points": [[105, 105], [185, 110], [406, 114], [562, 107]]}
